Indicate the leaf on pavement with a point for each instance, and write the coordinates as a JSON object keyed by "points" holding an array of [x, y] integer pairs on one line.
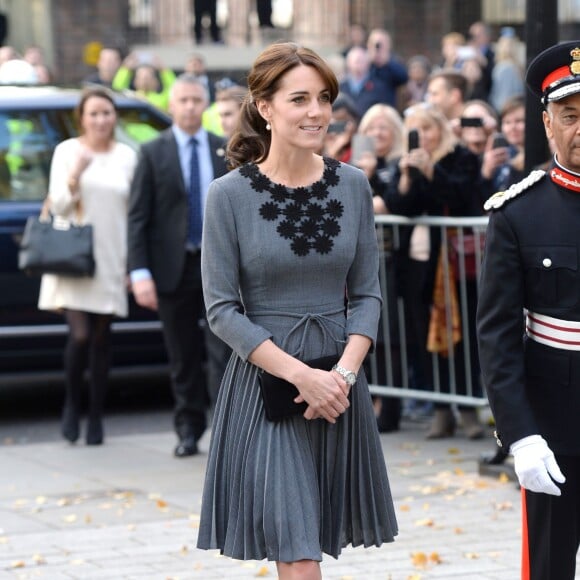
{"points": [[419, 559], [124, 495], [427, 522], [263, 571], [503, 477], [70, 519], [161, 504], [503, 506], [424, 561], [18, 564], [471, 555], [38, 559]]}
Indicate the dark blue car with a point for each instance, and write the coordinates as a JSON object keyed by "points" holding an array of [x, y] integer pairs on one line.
{"points": [[33, 120]]}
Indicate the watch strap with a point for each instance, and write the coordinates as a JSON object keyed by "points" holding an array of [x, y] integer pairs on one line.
{"points": [[344, 373]]}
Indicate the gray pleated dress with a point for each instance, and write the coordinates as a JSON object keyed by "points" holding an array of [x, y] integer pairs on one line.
{"points": [[276, 263]]}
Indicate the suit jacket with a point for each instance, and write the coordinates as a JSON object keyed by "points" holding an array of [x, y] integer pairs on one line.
{"points": [[158, 209], [532, 261], [373, 92]]}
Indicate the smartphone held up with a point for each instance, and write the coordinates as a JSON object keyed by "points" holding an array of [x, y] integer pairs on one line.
{"points": [[361, 145], [471, 122], [413, 139], [499, 141], [337, 127], [413, 143]]}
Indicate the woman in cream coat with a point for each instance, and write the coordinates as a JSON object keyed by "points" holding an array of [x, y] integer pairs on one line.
{"points": [[95, 171]]}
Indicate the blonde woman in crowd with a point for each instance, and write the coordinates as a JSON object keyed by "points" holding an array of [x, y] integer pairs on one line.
{"points": [[384, 126], [439, 177]]}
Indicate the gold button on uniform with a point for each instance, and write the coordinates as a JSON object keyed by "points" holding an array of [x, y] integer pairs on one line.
{"points": [[546, 262]]}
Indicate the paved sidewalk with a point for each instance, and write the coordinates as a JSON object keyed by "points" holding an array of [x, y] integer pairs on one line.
{"points": [[130, 510]]}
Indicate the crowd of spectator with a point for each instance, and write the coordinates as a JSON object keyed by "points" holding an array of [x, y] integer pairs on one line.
{"points": [[468, 112]]}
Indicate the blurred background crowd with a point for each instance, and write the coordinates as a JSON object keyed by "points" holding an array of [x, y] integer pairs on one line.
{"points": [[434, 136]]}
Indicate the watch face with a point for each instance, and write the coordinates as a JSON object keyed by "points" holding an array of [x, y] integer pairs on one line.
{"points": [[350, 378]]}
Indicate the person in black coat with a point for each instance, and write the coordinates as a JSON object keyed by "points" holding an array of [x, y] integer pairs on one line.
{"points": [[358, 83], [528, 324], [437, 178], [200, 9], [165, 213]]}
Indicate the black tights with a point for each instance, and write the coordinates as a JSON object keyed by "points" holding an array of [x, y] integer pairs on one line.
{"points": [[88, 341]]}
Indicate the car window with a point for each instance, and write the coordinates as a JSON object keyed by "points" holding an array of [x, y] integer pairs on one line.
{"points": [[27, 140], [138, 126]]}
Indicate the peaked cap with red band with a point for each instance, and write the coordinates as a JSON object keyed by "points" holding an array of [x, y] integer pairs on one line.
{"points": [[555, 73]]}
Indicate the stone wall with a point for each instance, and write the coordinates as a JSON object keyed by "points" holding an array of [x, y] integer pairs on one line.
{"points": [[76, 24]]}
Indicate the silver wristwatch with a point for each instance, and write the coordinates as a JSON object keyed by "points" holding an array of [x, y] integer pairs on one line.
{"points": [[348, 376]]}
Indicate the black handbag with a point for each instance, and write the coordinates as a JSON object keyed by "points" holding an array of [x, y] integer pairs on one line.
{"points": [[54, 245], [278, 395]]}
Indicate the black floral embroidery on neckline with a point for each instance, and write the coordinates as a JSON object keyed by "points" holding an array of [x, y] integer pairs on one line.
{"points": [[305, 214]]}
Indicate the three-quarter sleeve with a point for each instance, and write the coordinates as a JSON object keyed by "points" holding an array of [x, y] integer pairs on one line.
{"points": [[363, 289], [220, 269]]}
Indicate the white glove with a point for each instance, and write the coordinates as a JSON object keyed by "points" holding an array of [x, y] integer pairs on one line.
{"points": [[536, 465]]}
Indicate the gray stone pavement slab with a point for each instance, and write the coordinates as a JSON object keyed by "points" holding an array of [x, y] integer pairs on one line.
{"points": [[130, 510]]}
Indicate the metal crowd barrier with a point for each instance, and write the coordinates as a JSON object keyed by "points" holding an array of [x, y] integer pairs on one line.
{"points": [[453, 378]]}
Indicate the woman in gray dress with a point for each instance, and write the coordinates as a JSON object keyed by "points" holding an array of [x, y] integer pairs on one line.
{"points": [[290, 274]]}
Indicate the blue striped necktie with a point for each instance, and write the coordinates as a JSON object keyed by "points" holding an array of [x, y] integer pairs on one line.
{"points": [[194, 193]]}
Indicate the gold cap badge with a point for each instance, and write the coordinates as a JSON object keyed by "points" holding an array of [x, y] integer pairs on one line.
{"points": [[575, 64]]}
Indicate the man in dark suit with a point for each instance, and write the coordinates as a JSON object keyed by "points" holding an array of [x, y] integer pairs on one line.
{"points": [[358, 82], [165, 217], [531, 364]]}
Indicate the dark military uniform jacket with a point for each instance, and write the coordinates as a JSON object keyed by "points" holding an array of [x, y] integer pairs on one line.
{"points": [[532, 262]]}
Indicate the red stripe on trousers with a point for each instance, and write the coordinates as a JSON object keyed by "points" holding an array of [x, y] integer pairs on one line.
{"points": [[525, 544]]}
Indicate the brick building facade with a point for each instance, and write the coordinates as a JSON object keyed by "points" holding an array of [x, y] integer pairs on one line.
{"points": [[78, 23]]}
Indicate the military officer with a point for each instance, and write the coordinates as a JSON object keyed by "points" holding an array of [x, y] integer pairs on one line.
{"points": [[528, 324]]}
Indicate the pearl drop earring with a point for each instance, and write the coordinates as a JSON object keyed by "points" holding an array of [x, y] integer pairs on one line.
{"points": [[268, 126]]}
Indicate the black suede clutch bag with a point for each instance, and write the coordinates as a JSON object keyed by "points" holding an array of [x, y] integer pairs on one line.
{"points": [[278, 395]]}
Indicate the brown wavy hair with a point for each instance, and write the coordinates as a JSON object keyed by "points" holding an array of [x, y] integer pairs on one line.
{"points": [[251, 140]]}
